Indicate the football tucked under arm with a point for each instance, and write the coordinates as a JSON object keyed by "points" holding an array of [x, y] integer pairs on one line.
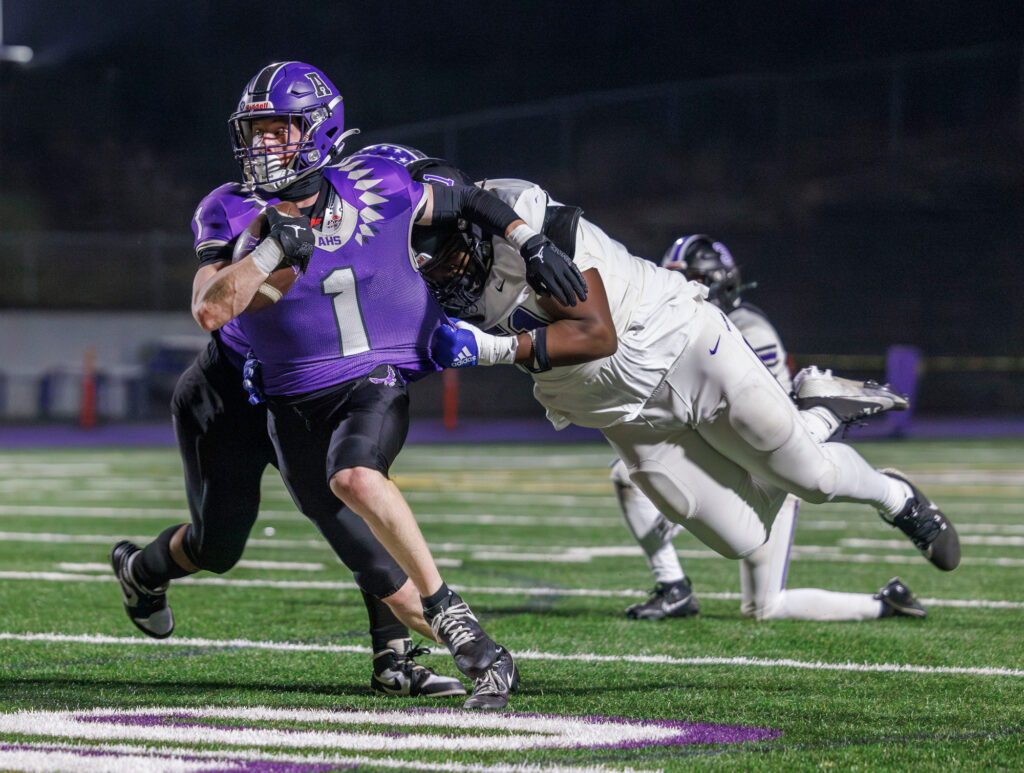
{"points": [[281, 278]]}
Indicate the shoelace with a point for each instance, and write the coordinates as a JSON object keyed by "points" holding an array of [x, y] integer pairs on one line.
{"points": [[449, 626], [414, 652], [491, 683], [919, 525]]}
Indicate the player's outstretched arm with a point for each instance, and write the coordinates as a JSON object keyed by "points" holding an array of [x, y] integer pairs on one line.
{"points": [[580, 333], [549, 271]]}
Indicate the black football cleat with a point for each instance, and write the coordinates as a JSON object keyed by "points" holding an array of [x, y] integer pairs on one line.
{"points": [[675, 599], [899, 601], [456, 627], [147, 608], [929, 530], [395, 672], [492, 688]]}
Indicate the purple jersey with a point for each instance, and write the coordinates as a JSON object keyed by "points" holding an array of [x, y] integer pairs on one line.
{"points": [[361, 302], [220, 217]]}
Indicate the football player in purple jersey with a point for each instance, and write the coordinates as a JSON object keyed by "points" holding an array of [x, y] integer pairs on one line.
{"points": [[225, 448], [336, 352]]}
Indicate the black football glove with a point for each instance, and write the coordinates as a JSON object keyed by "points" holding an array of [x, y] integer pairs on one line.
{"points": [[549, 271], [295, 235]]}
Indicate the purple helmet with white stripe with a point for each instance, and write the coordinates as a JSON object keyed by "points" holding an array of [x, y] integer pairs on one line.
{"points": [[304, 96], [708, 262]]}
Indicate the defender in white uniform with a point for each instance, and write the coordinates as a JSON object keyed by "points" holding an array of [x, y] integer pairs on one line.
{"points": [[703, 428], [762, 574]]}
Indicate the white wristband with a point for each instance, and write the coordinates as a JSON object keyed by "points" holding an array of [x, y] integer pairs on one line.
{"points": [[492, 349], [520, 235], [497, 350], [267, 255]]}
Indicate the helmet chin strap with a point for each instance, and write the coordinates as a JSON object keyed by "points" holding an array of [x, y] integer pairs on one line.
{"points": [[301, 189]]}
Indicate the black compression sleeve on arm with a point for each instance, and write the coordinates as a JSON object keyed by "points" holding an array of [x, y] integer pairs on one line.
{"points": [[475, 205], [216, 253]]}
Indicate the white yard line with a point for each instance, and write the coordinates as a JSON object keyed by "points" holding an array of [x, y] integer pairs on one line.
{"points": [[58, 757], [338, 585], [561, 554], [580, 657], [283, 566]]}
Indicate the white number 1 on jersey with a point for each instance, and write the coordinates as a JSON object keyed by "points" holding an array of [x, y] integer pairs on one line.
{"points": [[348, 316]]}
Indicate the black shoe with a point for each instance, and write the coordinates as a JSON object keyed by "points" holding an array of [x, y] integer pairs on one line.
{"points": [[396, 673], [929, 530], [675, 599], [491, 690], [456, 627], [147, 608], [899, 600]]}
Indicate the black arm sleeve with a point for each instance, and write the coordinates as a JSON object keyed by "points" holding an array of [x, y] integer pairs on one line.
{"points": [[475, 205], [216, 253]]}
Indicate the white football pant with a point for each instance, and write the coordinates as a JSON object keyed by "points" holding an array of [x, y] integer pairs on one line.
{"points": [[720, 444]]}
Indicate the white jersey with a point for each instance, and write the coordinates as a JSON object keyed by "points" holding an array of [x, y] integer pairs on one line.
{"points": [[650, 307], [764, 340]]}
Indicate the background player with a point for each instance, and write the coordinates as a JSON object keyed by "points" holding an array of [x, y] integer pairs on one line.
{"points": [[709, 262]]}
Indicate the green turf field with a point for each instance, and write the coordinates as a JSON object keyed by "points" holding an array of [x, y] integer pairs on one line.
{"points": [[269, 667]]}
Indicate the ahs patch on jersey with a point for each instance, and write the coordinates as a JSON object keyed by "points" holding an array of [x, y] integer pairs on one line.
{"points": [[174, 739]]}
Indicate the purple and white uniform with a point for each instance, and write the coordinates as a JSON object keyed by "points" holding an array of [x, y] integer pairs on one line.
{"points": [[361, 303], [225, 444]]}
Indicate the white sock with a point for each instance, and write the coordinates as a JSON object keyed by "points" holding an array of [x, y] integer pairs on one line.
{"points": [[858, 481], [898, 495], [664, 563]]}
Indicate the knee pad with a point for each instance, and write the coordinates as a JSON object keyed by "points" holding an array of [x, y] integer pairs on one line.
{"points": [[761, 414], [680, 505], [671, 497]]}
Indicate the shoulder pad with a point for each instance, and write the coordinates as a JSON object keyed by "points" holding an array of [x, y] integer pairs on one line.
{"points": [[376, 183], [224, 213]]}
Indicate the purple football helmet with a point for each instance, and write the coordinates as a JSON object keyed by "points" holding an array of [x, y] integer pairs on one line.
{"points": [[708, 262], [402, 154], [302, 94]]}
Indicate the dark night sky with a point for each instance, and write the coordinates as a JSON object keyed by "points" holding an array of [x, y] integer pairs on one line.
{"points": [[400, 61], [168, 74], [119, 124]]}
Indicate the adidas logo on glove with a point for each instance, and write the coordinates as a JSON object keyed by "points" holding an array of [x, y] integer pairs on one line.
{"points": [[461, 345], [464, 358]]}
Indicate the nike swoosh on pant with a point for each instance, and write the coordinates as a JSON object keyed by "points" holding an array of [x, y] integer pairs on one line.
{"points": [[717, 341]]}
